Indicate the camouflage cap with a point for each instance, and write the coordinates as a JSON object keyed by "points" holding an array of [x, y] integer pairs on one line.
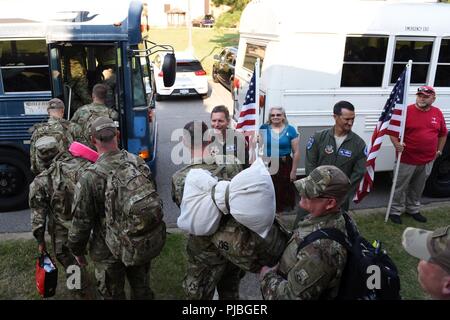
{"points": [[47, 147], [103, 127], [324, 181], [432, 246], [55, 103]]}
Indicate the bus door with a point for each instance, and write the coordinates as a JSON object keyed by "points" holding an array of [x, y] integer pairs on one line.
{"points": [[78, 67]]}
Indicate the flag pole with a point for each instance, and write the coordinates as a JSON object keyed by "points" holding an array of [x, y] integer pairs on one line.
{"points": [[257, 73], [402, 131]]}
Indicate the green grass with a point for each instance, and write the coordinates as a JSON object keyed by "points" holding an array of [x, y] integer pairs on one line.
{"points": [[206, 41], [18, 259]]}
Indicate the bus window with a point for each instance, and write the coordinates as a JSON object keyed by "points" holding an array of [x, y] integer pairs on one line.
{"points": [[443, 66], [253, 52], [419, 51], [138, 84], [24, 66], [364, 60]]}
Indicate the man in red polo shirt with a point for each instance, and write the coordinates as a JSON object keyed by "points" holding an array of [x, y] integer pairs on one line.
{"points": [[425, 137]]}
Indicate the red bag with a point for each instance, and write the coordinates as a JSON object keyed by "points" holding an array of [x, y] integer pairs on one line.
{"points": [[46, 275]]}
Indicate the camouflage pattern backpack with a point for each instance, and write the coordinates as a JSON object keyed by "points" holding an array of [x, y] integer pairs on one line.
{"points": [[64, 174], [85, 116], [135, 230], [245, 248], [57, 128]]}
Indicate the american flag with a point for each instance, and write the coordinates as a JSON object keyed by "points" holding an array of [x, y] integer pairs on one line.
{"points": [[390, 122], [247, 117]]}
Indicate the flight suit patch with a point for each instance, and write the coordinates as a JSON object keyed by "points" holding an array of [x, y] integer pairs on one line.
{"points": [[345, 153], [329, 149]]}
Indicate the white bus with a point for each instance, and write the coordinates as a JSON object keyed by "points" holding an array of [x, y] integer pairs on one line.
{"points": [[315, 53]]}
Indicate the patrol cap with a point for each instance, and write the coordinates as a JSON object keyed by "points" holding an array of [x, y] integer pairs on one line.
{"points": [[103, 128], [426, 90], [47, 147], [432, 246], [324, 181], [55, 103]]}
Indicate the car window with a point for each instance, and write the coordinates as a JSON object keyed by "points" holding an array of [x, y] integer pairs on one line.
{"points": [[230, 57], [189, 66]]}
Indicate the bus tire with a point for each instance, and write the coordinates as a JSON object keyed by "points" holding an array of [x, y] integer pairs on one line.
{"points": [[15, 173], [438, 183]]}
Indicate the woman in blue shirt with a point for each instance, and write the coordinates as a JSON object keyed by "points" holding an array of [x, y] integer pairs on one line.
{"points": [[280, 141]]}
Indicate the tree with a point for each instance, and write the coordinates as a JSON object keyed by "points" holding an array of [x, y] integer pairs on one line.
{"points": [[236, 5]]}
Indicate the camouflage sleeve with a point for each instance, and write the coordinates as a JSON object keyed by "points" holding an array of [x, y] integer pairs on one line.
{"points": [[39, 205], [34, 168], [114, 115], [307, 279], [77, 132], [83, 211]]}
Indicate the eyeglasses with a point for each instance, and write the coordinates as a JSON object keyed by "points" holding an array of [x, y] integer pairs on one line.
{"points": [[425, 90], [276, 115]]}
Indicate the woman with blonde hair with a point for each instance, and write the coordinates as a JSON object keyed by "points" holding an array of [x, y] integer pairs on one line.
{"points": [[281, 140]]}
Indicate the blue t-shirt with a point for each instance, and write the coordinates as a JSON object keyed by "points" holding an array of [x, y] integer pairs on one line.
{"points": [[282, 141]]}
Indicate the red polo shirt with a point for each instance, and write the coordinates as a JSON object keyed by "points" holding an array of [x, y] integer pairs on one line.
{"points": [[422, 130]]}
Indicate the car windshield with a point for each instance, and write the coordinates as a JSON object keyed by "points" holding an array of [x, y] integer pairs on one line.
{"points": [[188, 66]]}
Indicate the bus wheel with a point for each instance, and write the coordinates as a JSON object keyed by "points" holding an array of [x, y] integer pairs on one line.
{"points": [[438, 183], [15, 176]]}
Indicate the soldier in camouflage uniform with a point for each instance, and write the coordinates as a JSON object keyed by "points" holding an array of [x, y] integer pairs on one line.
{"points": [[50, 199], [89, 213], [207, 268], [315, 271], [56, 126], [433, 250], [85, 116], [77, 80]]}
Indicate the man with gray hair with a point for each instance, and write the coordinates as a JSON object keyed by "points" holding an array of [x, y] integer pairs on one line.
{"points": [[433, 250], [314, 271]]}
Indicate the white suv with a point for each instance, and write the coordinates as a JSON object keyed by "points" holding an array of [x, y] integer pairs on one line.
{"points": [[190, 79]]}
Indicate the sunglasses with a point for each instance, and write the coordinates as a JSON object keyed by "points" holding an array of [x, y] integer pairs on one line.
{"points": [[276, 115], [425, 90]]}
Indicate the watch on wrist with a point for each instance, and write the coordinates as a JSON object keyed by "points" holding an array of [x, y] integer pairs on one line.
{"points": [[439, 152]]}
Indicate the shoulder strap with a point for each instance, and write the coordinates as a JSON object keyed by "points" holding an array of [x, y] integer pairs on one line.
{"points": [[219, 169], [326, 233]]}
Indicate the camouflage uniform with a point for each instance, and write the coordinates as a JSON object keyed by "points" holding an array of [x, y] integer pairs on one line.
{"points": [[51, 195], [61, 129], [85, 116], [315, 271], [89, 214], [207, 268], [79, 83]]}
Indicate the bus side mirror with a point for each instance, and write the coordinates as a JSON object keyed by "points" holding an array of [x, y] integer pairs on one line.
{"points": [[169, 69]]}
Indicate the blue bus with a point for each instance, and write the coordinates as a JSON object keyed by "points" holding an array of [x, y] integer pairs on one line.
{"points": [[62, 49]]}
